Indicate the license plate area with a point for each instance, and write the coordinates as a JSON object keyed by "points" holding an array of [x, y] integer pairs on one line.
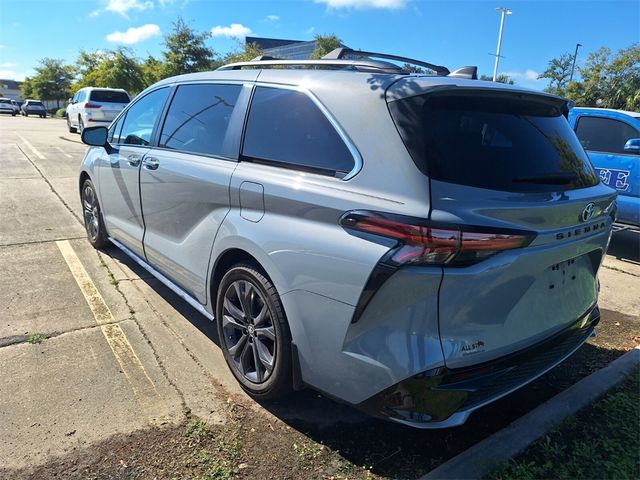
{"points": [[564, 274]]}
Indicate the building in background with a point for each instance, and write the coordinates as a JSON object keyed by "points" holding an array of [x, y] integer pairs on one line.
{"points": [[10, 89], [285, 49]]}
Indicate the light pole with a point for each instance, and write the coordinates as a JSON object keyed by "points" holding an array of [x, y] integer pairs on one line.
{"points": [[505, 11], [575, 55]]}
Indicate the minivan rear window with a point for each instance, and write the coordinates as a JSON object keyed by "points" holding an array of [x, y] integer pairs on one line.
{"points": [[109, 96], [498, 142]]}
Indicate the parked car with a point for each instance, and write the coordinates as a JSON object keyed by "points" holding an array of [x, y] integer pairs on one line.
{"points": [[612, 140], [16, 106], [7, 107], [92, 106], [414, 245], [33, 107]]}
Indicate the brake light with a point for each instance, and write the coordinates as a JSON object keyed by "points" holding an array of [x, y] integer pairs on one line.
{"points": [[425, 244], [91, 105]]}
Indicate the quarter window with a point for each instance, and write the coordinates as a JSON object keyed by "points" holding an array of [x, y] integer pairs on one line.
{"points": [[287, 127], [141, 117], [604, 134], [198, 118]]}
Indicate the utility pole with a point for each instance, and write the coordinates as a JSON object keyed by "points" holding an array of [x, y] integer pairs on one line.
{"points": [[575, 55], [505, 12]]}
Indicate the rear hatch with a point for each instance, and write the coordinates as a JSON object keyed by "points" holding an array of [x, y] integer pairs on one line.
{"points": [[35, 106], [105, 105], [506, 161]]}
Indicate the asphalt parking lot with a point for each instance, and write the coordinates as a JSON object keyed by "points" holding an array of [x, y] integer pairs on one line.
{"points": [[91, 346]]}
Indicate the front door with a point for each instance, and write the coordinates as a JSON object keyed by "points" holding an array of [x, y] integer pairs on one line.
{"points": [[119, 172]]}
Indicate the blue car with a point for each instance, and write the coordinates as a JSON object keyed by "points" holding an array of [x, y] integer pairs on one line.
{"points": [[612, 140]]}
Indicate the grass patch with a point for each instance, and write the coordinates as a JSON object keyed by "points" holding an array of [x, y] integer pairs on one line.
{"points": [[36, 338], [601, 441]]}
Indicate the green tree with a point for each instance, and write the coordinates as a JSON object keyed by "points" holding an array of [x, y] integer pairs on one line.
{"points": [[243, 53], [609, 81], [558, 72], [110, 69], [26, 89], [186, 51], [500, 78], [51, 81], [324, 44], [152, 70]]}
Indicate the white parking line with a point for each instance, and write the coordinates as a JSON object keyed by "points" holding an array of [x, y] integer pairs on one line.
{"points": [[63, 152], [31, 147], [143, 387]]}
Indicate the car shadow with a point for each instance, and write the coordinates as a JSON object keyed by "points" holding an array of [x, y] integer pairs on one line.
{"points": [[625, 246], [389, 449]]}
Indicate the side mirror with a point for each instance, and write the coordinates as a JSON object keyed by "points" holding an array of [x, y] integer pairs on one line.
{"points": [[69, 101], [632, 146], [95, 136]]}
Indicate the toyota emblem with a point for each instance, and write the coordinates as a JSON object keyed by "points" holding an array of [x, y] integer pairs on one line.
{"points": [[588, 211]]}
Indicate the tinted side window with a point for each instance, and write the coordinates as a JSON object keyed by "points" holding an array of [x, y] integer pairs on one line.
{"points": [[198, 118], [141, 117], [286, 126], [604, 134]]}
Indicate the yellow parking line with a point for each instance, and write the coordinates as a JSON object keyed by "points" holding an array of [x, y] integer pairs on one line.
{"points": [[143, 387], [31, 147]]}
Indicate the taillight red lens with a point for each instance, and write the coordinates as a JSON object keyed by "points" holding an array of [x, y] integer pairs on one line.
{"points": [[91, 105], [440, 246]]}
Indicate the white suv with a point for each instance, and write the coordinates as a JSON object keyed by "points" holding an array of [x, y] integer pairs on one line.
{"points": [[93, 106]]}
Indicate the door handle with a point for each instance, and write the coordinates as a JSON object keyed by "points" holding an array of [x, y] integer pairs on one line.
{"points": [[134, 159], [150, 163]]}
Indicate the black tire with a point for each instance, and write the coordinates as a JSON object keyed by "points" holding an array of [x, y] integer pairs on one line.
{"points": [[69, 127], [80, 125], [92, 215], [257, 330], [13, 114], [26, 114]]}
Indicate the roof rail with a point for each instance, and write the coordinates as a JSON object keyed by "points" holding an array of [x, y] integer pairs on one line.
{"points": [[359, 65], [342, 52]]}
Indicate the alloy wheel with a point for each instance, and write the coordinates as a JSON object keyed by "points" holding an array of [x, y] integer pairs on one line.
{"points": [[249, 334], [91, 212]]}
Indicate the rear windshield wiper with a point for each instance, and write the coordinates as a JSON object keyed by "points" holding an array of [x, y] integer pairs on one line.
{"points": [[561, 178]]}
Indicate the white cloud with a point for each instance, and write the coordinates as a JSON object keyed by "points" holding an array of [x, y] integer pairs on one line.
{"points": [[273, 18], [135, 34], [310, 30], [123, 6], [95, 13], [12, 75], [526, 75], [235, 30], [7, 65], [363, 4]]}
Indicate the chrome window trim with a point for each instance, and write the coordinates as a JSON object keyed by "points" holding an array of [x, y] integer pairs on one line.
{"points": [[357, 158]]}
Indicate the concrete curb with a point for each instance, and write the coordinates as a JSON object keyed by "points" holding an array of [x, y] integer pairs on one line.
{"points": [[508, 442]]}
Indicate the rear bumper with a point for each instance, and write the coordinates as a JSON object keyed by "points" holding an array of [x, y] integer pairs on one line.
{"points": [[445, 397]]}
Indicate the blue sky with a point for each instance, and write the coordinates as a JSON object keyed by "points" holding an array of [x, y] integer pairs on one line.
{"points": [[452, 33]]}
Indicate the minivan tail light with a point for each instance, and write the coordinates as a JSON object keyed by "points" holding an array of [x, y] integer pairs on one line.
{"points": [[421, 243], [91, 105]]}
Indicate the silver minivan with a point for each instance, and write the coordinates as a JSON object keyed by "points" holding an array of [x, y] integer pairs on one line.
{"points": [[416, 245]]}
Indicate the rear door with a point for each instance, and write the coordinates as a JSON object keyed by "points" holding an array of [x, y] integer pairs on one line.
{"points": [[508, 162], [118, 171], [184, 182]]}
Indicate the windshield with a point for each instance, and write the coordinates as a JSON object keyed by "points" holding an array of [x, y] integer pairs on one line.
{"points": [[109, 96], [4, 100], [499, 142]]}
